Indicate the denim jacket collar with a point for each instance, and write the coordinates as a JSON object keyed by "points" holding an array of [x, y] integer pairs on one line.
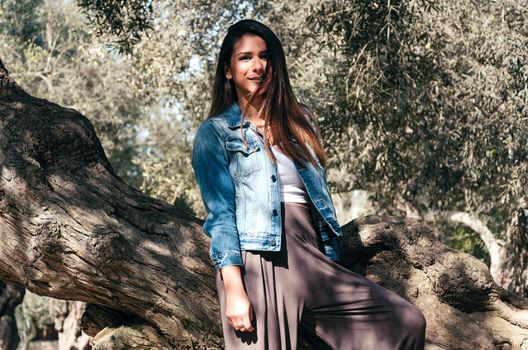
{"points": [[233, 116]]}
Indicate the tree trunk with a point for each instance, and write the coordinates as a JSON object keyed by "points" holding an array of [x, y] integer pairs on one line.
{"points": [[515, 271], [67, 316], [71, 229], [509, 258], [494, 246], [10, 296]]}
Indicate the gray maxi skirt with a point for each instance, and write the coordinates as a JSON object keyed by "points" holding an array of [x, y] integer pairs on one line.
{"points": [[300, 291]]}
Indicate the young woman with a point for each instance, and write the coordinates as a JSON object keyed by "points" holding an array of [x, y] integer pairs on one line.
{"points": [[259, 164]]}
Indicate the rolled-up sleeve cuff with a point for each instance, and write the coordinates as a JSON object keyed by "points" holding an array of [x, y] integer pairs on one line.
{"points": [[227, 259]]}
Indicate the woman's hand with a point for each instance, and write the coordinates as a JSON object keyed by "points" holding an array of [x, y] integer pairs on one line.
{"points": [[239, 311]]}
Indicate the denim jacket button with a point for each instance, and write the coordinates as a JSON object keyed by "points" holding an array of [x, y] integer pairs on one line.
{"points": [[273, 242], [273, 178], [275, 213]]}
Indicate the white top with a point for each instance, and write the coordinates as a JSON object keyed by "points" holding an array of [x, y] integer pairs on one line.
{"points": [[291, 186]]}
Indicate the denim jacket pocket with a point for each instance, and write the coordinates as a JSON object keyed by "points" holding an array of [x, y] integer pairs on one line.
{"points": [[243, 159]]}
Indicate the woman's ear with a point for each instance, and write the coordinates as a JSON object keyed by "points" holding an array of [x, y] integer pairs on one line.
{"points": [[228, 74]]}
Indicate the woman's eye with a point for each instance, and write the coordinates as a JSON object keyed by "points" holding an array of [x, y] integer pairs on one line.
{"points": [[244, 58]]}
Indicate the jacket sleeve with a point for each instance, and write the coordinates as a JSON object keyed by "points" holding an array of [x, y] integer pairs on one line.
{"points": [[211, 170]]}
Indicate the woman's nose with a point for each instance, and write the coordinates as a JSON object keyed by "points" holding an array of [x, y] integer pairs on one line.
{"points": [[259, 65]]}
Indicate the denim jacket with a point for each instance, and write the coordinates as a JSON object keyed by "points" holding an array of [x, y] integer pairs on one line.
{"points": [[240, 189]]}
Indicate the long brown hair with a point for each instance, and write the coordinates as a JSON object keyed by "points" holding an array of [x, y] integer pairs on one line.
{"points": [[283, 115]]}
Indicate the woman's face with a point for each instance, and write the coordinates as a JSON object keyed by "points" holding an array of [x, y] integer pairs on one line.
{"points": [[248, 63]]}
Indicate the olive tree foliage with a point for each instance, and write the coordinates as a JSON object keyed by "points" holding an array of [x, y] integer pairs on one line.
{"points": [[435, 101], [431, 116], [51, 51], [124, 21]]}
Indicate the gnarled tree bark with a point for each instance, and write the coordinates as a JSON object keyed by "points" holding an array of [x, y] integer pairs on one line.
{"points": [[71, 229]]}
